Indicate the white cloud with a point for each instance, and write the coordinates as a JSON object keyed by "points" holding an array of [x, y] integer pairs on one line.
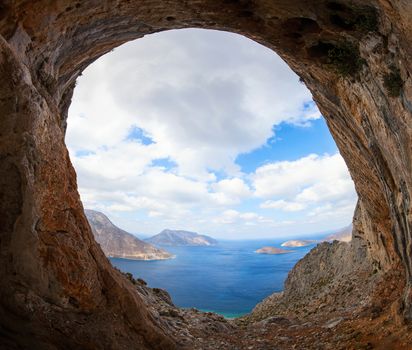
{"points": [[196, 99], [310, 178], [235, 217], [283, 205], [202, 103], [233, 187], [230, 191], [319, 187]]}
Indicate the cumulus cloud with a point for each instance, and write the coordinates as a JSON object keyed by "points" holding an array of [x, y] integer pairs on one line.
{"points": [[230, 191], [283, 205], [321, 185], [310, 178], [155, 128], [232, 216], [203, 102]]}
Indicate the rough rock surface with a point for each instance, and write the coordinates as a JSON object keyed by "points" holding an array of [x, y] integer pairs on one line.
{"points": [[58, 289], [334, 276], [117, 243]]}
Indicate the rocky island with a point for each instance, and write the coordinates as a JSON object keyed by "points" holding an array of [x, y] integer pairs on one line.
{"points": [[272, 250], [181, 238], [117, 243]]}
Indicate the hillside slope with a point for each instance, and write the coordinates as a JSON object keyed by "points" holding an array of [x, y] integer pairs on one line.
{"points": [[181, 238], [118, 243]]}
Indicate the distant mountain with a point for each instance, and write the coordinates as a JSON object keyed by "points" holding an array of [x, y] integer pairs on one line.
{"points": [[272, 250], [344, 235], [117, 243], [297, 243], [181, 238]]}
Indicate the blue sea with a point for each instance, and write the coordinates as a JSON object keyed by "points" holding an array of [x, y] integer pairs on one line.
{"points": [[229, 278]]}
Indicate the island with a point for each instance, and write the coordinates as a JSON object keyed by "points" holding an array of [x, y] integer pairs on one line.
{"points": [[272, 250], [181, 238], [297, 243], [117, 243]]}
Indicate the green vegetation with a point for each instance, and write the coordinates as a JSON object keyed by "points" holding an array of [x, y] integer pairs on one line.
{"points": [[345, 59], [342, 57], [393, 82], [129, 276], [366, 19], [362, 19]]}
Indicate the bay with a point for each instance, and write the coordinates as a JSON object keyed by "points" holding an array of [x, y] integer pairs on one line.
{"points": [[229, 278]]}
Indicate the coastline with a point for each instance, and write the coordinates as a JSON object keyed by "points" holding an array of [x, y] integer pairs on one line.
{"points": [[137, 259]]}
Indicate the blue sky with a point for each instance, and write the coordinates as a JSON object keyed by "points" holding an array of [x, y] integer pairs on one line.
{"points": [[290, 142], [205, 131]]}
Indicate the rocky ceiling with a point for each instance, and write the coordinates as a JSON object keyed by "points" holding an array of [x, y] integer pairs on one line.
{"points": [[353, 55]]}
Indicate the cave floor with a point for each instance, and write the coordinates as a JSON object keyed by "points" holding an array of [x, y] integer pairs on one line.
{"points": [[372, 326], [339, 332]]}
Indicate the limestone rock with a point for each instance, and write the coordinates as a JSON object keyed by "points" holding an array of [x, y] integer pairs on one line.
{"points": [[335, 275]]}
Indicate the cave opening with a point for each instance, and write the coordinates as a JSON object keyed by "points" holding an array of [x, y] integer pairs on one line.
{"points": [[58, 289], [208, 132]]}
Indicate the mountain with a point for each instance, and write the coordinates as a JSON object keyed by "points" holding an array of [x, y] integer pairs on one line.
{"points": [[272, 250], [179, 237], [297, 243], [344, 235], [117, 243]]}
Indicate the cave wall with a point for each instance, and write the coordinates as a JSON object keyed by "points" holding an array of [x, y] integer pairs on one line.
{"points": [[353, 55]]}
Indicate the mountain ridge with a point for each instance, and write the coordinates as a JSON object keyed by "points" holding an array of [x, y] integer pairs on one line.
{"points": [[117, 243], [181, 238], [343, 234]]}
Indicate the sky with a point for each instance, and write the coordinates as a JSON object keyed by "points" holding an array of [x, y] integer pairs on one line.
{"points": [[205, 131]]}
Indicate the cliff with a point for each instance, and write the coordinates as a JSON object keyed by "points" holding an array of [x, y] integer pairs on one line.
{"points": [[181, 238], [117, 243], [317, 280]]}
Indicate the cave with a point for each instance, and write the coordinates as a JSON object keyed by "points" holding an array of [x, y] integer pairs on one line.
{"points": [[58, 289]]}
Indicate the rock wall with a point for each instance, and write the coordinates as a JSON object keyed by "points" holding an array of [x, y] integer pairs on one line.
{"points": [[353, 55], [332, 277]]}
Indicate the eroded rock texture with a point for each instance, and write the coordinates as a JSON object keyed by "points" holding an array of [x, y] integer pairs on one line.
{"points": [[58, 290]]}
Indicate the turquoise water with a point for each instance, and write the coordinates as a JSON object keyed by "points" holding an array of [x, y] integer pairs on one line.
{"points": [[229, 278]]}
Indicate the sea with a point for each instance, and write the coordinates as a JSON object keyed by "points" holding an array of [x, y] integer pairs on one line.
{"points": [[228, 278]]}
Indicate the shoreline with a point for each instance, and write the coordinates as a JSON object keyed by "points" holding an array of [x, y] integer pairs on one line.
{"points": [[136, 259]]}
